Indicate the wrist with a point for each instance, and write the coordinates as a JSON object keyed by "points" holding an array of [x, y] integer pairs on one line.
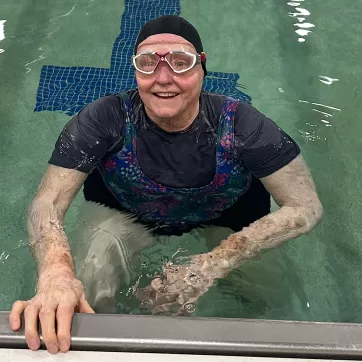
{"points": [[214, 264], [231, 251], [54, 269], [50, 274], [56, 260]]}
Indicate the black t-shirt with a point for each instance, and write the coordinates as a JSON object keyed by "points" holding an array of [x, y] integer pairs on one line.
{"points": [[176, 159]]}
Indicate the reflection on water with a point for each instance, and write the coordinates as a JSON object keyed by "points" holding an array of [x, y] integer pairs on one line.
{"points": [[68, 13], [2, 32], [301, 14], [91, 3], [17, 268], [48, 35], [3, 256], [327, 80], [41, 57], [324, 120]]}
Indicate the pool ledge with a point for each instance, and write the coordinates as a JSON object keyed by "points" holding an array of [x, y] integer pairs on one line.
{"points": [[233, 337]]}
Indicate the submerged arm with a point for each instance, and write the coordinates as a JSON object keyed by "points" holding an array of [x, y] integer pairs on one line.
{"points": [[293, 189]]}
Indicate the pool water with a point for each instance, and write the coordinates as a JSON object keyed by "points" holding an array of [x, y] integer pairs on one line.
{"points": [[300, 63]]}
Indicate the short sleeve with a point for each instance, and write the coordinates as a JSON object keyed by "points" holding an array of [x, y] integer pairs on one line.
{"points": [[261, 144], [87, 136]]}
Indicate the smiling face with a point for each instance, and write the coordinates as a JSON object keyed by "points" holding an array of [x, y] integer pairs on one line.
{"points": [[165, 94]]}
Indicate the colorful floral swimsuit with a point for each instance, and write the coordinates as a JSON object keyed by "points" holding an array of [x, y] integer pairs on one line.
{"points": [[176, 207]]}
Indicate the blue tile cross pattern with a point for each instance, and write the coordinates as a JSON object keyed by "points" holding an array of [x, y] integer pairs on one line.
{"points": [[69, 89]]}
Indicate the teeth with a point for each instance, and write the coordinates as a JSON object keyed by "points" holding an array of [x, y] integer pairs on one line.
{"points": [[166, 94]]}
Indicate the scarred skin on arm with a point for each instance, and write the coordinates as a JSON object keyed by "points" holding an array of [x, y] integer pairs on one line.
{"points": [[47, 239], [59, 293], [293, 189]]}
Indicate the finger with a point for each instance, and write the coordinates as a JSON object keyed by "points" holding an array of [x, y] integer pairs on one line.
{"points": [[47, 320], [163, 308], [15, 314], [187, 308], [153, 288], [147, 304], [182, 312], [64, 316], [188, 304], [156, 284], [143, 293], [163, 297], [31, 315], [84, 307]]}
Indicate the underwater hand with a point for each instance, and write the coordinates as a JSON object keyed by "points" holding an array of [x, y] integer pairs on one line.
{"points": [[179, 287]]}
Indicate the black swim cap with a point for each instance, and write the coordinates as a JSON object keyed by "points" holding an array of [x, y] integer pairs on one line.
{"points": [[172, 24]]}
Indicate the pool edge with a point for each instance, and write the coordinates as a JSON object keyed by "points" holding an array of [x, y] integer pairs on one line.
{"points": [[211, 336]]}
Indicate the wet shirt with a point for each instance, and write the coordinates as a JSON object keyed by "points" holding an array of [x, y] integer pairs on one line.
{"points": [[183, 159]]}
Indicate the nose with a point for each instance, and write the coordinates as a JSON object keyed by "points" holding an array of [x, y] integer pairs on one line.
{"points": [[164, 74]]}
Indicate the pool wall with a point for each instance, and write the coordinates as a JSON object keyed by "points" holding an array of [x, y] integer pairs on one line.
{"points": [[204, 336]]}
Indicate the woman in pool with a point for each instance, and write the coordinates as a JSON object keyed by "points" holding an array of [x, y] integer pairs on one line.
{"points": [[164, 159]]}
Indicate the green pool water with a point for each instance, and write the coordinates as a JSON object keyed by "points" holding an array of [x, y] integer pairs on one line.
{"points": [[307, 82]]}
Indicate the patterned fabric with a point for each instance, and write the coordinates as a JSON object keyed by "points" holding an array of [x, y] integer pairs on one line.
{"points": [[162, 205]]}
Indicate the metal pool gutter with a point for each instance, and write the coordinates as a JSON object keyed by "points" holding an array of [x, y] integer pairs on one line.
{"points": [[206, 336]]}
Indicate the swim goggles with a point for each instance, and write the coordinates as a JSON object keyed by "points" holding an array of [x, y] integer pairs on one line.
{"points": [[178, 61]]}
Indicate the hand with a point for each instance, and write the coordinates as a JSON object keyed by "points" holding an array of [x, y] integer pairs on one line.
{"points": [[59, 295], [180, 286]]}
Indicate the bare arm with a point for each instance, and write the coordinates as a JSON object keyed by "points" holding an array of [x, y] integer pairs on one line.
{"points": [[293, 189], [47, 238], [59, 293]]}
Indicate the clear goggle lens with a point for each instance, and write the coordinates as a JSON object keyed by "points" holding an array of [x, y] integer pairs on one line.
{"points": [[179, 62]]}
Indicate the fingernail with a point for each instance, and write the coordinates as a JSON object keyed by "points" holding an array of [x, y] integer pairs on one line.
{"points": [[64, 346], [33, 344], [53, 348]]}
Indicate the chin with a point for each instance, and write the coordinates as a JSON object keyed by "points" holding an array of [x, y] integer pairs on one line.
{"points": [[165, 113]]}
